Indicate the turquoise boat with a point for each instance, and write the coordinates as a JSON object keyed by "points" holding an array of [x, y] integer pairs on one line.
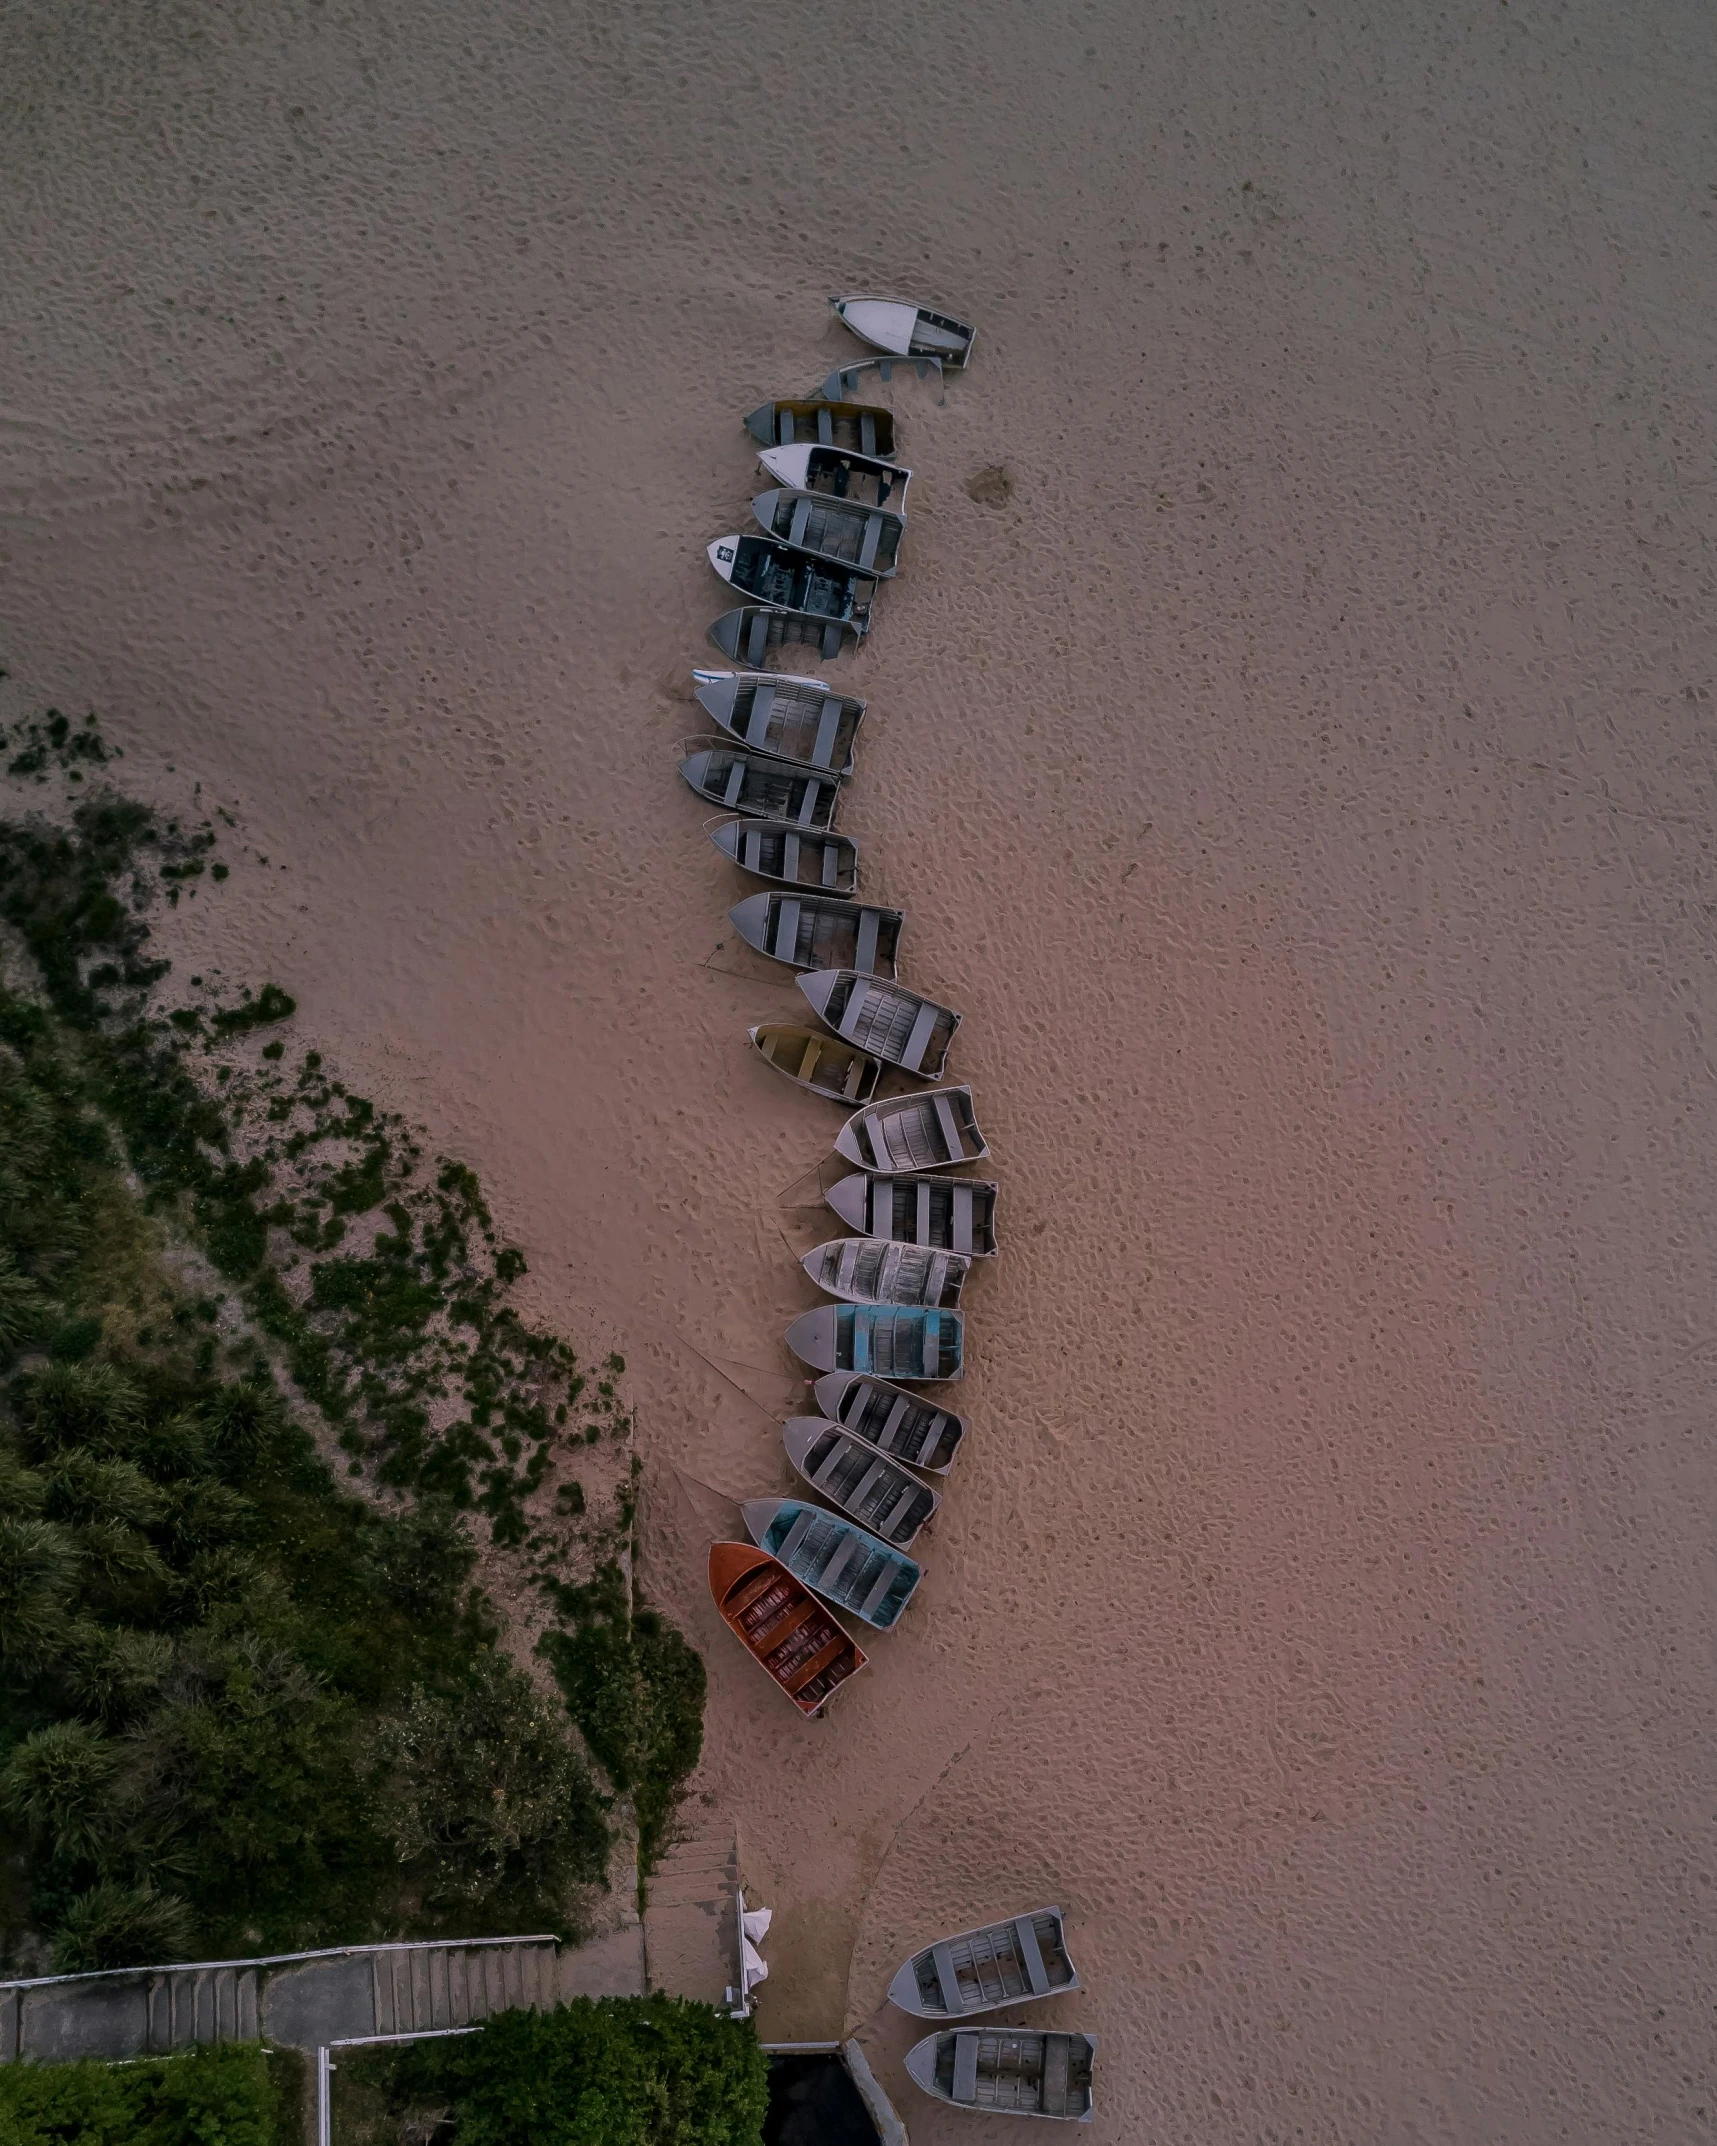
{"points": [[884, 1340], [839, 1561]]}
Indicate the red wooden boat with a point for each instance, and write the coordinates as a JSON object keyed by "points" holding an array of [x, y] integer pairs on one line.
{"points": [[781, 1624]]}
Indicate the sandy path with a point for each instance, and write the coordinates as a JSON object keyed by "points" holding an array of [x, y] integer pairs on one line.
{"points": [[1304, 784]]}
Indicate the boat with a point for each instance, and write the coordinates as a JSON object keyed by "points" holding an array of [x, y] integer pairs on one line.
{"points": [[955, 1214], [797, 719], [914, 1132], [776, 849], [868, 1488], [897, 1423], [906, 330], [1008, 2071], [788, 580], [885, 1018], [821, 1063], [867, 480], [870, 1270], [754, 631], [781, 1624], [843, 1562], [894, 1344], [763, 789], [863, 428], [809, 931], [867, 539], [1011, 1962]]}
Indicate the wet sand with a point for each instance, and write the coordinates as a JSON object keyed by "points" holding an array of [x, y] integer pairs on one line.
{"points": [[1303, 782]]}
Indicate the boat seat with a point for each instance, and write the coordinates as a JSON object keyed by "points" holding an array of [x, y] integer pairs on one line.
{"points": [[1057, 2051], [1031, 1959], [757, 635], [960, 1211], [867, 435], [947, 1981], [796, 1534], [879, 1588], [800, 522], [808, 1064], [828, 728], [872, 538], [828, 1469], [784, 943], [825, 429], [757, 722], [784, 428], [734, 784], [845, 1551], [790, 857], [950, 1126], [896, 1513], [912, 1057], [855, 1080], [831, 864], [865, 959], [890, 1432], [965, 2089], [874, 1474], [849, 1022]]}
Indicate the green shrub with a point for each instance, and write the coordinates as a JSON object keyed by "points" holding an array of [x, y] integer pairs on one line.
{"points": [[622, 2071], [220, 2096]]}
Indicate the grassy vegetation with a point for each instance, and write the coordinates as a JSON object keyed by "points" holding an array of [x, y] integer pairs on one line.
{"points": [[219, 2096], [638, 2071], [238, 1706]]}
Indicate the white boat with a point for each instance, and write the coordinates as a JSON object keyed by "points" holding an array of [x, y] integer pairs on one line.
{"points": [[1011, 1962], [906, 330], [955, 1214], [803, 720], [875, 1270], [866, 479], [1008, 2071]]}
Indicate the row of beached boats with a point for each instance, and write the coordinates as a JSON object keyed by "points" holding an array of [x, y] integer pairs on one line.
{"points": [[875, 1456], [787, 749]]}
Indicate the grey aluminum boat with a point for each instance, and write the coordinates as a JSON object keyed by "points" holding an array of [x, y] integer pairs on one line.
{"points": [[763, 789], [862, 428], [896, 1024], [865, 479], [877, 1338], [870, 1270], [810, 931], [788, 580], [797, 719], [1008, 2071], [867, 539], [914, 1132], [906, 330], [896, 1422], [876, 1493], [842, 1561], [821, 1063], [776, 849], [1011, 1962], [954, 1214], [755, 631]]}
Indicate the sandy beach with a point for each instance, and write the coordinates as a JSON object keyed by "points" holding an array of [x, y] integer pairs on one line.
{"points": [[1303, 780]]}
